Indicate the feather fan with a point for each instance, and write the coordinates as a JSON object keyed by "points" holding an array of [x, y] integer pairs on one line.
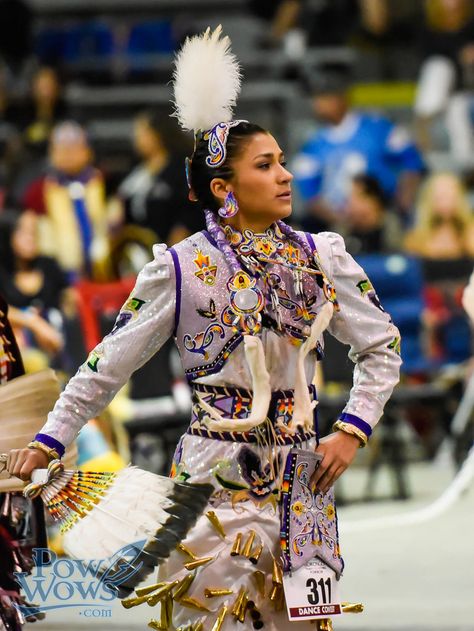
{"points": [[206, 81], [112, 516]]}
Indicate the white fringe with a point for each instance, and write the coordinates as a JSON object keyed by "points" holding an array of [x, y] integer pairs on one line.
{"points": [[303, 407], [261, 388]]}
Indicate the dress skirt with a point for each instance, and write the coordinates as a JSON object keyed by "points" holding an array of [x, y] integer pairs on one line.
{"points": [[232, 550]]}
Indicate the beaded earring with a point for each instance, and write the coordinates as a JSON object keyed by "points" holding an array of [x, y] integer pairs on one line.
{"points": [[230, 207]]}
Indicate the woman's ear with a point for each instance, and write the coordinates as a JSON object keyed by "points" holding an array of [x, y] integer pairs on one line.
{"points": [[219, 188]]}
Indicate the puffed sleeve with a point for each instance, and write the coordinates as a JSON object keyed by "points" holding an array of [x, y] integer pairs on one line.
{"points": [[362, 323], [143, 325]]}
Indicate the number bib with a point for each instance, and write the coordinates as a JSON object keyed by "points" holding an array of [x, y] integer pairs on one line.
{"points": [[312, 592]]}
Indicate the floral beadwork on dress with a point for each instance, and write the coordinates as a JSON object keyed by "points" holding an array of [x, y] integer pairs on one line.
{"points": [[206, 270], [203, 340], [210, 312], [367, 289], [128, 312], [248, 243], [178, 469], [257, 479], [395, 345], [300, 310], [308, 520]]}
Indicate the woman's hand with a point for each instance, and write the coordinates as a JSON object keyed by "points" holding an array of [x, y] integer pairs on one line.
{"points": [[338, 451], [21, 462]]}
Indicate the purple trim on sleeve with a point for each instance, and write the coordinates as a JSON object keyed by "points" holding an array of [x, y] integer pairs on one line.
{"points": [[177, 269], [52, 443], [357, 422], [309, 238], [209, 237]]}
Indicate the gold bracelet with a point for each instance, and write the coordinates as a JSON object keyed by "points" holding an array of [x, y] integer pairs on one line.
{"points": [[348, 428], [49, 451]]}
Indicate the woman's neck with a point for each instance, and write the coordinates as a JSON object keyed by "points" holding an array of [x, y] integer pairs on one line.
{"points": [[240, 223]]}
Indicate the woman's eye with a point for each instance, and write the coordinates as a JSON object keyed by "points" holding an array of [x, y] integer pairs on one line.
{"points": [[266, 165], [284, 163]]}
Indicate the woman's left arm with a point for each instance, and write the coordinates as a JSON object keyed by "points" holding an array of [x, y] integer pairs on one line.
{"points": [[374, 343]]}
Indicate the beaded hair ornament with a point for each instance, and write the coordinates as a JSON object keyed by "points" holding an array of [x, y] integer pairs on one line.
{"points": [[206, 84]]}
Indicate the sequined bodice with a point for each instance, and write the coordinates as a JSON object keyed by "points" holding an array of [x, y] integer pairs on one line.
{"points": [[207, 334]]}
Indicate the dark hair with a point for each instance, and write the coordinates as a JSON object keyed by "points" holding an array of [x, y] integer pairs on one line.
{"points": [[372, 188], [202, 174], [8, 224], [172, 140], [152, 119]]}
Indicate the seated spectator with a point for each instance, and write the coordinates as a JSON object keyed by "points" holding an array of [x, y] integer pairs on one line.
{"points": [[33, 285], [444, 226], [447, 330], [370, 227], [43, 109], [70, 200], [34, 119], [443, 235], [446, 44], [153, 194], [27, 279], [351, 143]]}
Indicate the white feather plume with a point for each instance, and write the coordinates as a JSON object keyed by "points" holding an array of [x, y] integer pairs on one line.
{"points": [[206, 81]]}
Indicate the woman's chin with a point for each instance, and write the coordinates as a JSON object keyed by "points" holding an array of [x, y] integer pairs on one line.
{"points": [[285, 211]]}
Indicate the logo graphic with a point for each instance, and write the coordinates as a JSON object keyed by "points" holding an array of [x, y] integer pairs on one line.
{"points": [[66, 582]]}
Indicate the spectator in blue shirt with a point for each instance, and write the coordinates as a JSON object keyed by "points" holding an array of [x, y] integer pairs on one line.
{"points": [[352, 143]]}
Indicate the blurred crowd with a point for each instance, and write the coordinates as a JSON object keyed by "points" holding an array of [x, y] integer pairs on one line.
{"points": [[72, 236]]}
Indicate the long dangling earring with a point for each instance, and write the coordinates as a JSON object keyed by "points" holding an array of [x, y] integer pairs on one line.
{"points": [[230, 207]]}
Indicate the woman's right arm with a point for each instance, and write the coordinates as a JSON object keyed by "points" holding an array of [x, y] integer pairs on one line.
{"points": [[143, 325]]}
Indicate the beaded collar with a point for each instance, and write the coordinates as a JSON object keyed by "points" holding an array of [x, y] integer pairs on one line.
{"points": [[272, 246]]}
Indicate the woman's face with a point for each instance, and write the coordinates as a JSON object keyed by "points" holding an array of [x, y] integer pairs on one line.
{"points": [[445, 197], [146, 141], [261, 183], [46, 86], [25, 237]]}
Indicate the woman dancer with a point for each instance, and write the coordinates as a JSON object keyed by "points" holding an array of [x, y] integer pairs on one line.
{"points": [[246, 301]]}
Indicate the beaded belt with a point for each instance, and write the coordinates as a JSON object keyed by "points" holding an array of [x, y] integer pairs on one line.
{"points": [[237, 403]]}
